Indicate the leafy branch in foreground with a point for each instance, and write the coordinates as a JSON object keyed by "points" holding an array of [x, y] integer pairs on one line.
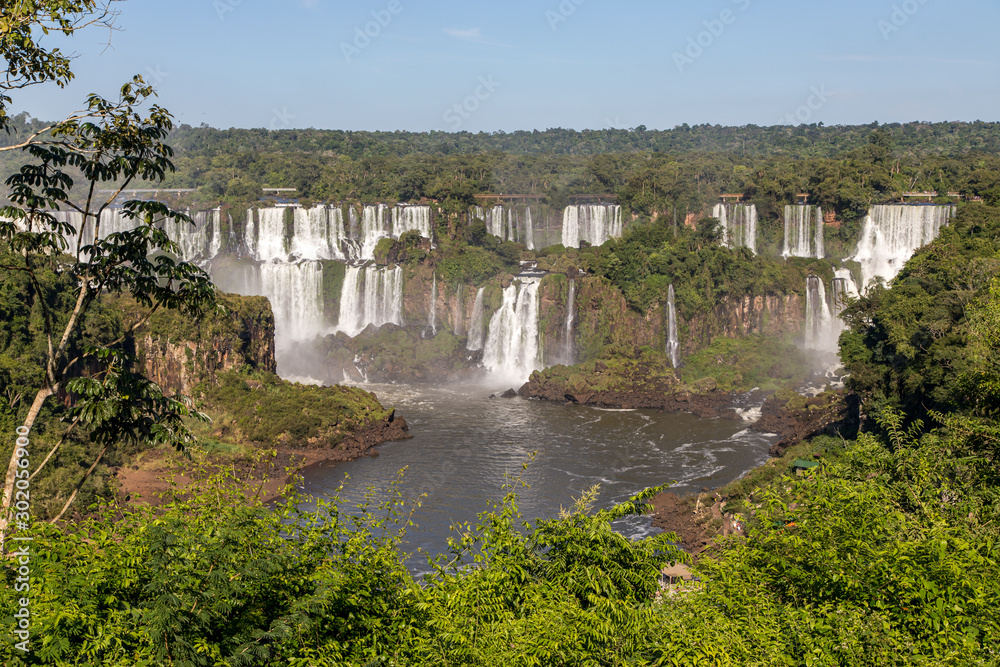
{"points": [[119, 145]]}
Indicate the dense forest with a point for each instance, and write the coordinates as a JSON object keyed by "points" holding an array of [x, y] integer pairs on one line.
{"points": [[883, 549]]}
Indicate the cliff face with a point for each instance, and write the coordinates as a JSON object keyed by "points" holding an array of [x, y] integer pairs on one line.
{"points": [[177, 353], [603, 318], [600, 319], [772, 315]]}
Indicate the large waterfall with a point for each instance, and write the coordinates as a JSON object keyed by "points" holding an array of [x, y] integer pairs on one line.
{"points": [[370, 295], [804, 232], [821, 333], [738, 223], [569, 349], [296, 295], [892, 234], [512, 350], [673, 343], [593, 223], [477, 329]]}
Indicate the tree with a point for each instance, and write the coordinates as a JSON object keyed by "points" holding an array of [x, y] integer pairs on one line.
{"points": [[109, 142]]}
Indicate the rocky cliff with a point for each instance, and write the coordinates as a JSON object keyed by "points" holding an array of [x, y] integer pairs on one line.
{"points": [[178, 352]]}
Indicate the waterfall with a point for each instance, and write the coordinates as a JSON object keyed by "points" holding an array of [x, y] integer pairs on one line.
{"points": [[570, 349], [476, 331], [380, 222], [501, 221], [370, 295], [374, 228], [892, 234], [673, 344], [804, 232], [821, 333], [318, 233], [593, 223], [844, 288], [200, 241], [296, 295], [529, 229], [738, 223], [271, 239], [407, 218], [432, 313], [512, 344]]}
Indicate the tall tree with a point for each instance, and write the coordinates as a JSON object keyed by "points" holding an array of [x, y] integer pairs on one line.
{"points": [[110, 142]]}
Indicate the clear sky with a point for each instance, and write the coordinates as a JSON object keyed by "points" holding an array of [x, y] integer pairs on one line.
{"points": [[536, 64]]}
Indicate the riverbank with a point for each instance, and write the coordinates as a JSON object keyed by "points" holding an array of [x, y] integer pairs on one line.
{"points": [[809, 430], [319, 426]]}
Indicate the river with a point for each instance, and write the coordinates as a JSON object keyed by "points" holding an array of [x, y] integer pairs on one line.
{"points": [[466, 444]]}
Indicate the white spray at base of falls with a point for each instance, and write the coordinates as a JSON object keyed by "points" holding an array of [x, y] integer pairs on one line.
{"points": [[892, 234], [593, 223], [476, 338], [569, 349], [370, 295], [673, 344], [738, 223], [804, 232], [512, 346]]}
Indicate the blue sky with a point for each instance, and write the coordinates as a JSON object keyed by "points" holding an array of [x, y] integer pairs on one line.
{"points": [[537, 64]]}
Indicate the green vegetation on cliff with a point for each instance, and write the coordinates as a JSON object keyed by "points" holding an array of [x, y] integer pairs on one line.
{"points": [[909, 346], [262, 410]]}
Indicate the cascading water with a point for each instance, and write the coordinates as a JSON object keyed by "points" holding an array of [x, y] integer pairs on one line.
{"points": [[593, 223], [374, 228], [411, 218], [569, 351], [673, 343], [200, 241], [892, 234], [296, 295], [804, 232], [843, 289], [738, 223], [511, 352], [821, 334], [432, 311], [370, 295], [318, 233], [380, 222], [271, 242], [506, 223], [476, 329]]}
